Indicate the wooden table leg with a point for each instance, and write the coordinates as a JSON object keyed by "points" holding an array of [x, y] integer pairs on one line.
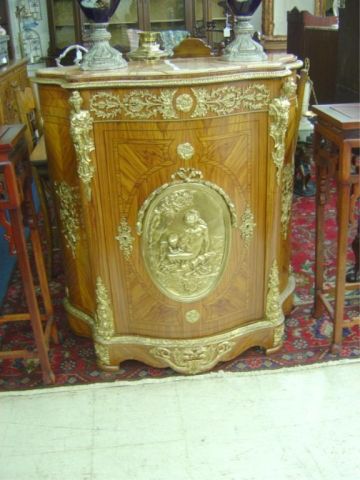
{"points": [[342, 241], [321, 192]]}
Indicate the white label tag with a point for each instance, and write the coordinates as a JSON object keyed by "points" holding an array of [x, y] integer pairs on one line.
{"points": [[227, 31]]}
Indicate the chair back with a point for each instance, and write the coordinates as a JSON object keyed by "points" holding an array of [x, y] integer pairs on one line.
{"points": [[29, 115], [192, 47]]}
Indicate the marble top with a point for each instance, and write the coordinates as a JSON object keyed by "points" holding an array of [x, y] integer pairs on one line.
{"points": [[172, 71]]}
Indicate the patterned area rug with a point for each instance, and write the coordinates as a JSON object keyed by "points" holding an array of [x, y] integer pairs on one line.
{"points": [[307, 339]]}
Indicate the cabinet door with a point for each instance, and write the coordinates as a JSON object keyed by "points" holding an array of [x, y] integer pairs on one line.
{"points": [[215, 16], [200, 15], [165, 14], [135, 162]]}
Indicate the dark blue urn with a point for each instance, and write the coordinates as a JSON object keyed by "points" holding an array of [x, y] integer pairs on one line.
{"points": [[243, 8], [101, 56], [243, 48], [99, 11]]}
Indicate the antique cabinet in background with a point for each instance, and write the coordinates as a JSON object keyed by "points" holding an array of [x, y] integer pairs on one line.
{"points": [[67, 24], [311, 36], [173, 185], [347, 68], [13, 75], [64, 26]]}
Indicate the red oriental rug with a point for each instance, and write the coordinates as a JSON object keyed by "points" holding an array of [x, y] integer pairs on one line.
{"points": [[307, 339]]}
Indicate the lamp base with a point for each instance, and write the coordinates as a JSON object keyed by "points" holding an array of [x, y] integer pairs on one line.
{"points": [[244, 48], [101, 55], [148, 48]]}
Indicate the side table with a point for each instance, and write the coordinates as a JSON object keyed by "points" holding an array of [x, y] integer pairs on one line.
{"points": [[336, 135]]}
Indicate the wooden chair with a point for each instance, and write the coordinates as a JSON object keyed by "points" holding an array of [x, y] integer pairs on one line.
{"points": [[192, 47], [29, 115], [16, 211]]}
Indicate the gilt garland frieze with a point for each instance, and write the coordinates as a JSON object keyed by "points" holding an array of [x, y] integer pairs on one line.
{"points": [[226, 100], [104, 318], [69, 214], [81, 131], [146, 104], [105, 106], [279, 119], [135, 105]]}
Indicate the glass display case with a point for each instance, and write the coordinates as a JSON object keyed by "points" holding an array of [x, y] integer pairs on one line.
{"points": [[213, 21], [167, 15], [173, 19], [124, 25], [64, 26]]}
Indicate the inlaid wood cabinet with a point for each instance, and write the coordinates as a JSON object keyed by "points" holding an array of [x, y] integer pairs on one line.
{"points": [[173, 186]]}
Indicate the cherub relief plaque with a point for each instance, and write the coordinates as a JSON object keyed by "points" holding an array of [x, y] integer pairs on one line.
{"points": [[186, 231]]}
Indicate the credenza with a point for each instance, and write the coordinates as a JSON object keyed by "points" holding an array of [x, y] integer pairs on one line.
{"points": [[13, 75], [173, 188]]}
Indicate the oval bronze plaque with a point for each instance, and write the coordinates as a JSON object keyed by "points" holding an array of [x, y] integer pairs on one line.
{"points": [[186, 240]]}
